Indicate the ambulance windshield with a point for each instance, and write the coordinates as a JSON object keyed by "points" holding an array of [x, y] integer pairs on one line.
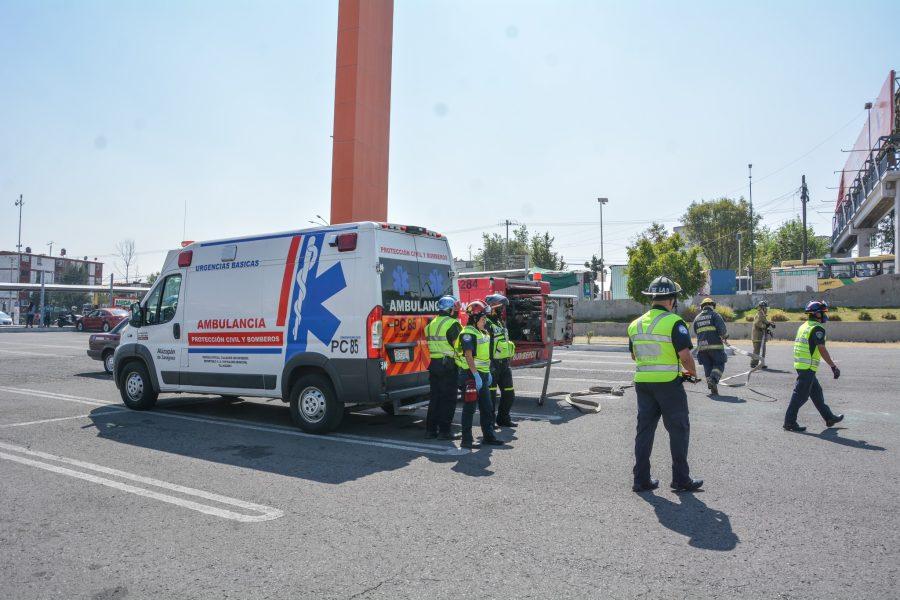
{"points": [[413, 287]]}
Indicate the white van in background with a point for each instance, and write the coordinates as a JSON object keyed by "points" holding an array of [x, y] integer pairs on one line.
{"points": [[323, 318]]}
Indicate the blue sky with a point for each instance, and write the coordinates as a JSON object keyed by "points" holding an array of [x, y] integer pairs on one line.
{"points": [[115, 115]]}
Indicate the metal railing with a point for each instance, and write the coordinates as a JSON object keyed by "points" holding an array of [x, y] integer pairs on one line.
{"points": [[888, 153]]}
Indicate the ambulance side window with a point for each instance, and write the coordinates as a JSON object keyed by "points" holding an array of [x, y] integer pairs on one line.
{"points": [[168, 304], [151, 308]]}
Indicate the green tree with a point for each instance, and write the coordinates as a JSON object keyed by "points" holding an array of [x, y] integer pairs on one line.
{"points": [[494, 255], [656, 253], [786, 243], [72, 274], [714, 225], [884, 235], [594, 265], [152, 277], [542, 254]]}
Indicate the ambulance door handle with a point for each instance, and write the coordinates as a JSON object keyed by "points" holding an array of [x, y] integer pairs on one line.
{"points": [[176, 331]]}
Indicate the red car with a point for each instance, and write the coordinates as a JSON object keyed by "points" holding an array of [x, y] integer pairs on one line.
{"points": [[102, 319]]}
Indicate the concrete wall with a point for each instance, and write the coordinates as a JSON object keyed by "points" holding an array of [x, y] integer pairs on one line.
{"points": [[878, 292], [882, 331]]}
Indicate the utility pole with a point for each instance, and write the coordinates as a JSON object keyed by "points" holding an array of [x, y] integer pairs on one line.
{"points": [[804, 198], [507, 222], [20, 203], [739, 255], [51, 247], [752, 252], [601, 202]]}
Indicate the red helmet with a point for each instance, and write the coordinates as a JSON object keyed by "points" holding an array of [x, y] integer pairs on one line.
{"points": [[477, 309]]}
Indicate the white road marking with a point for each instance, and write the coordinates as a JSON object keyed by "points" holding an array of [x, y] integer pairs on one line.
{"points": [[42, 421], [43, 345], [618, 363], [23, 353], [597, 370], [557, 382], [265, 513], [450, 450], [55, 396]]}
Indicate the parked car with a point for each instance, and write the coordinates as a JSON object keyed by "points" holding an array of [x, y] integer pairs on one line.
{"points": [[5, 319], [102, 319], [102, 346]]}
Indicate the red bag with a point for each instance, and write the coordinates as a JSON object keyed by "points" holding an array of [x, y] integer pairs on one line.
{"points": [[471, 392]]}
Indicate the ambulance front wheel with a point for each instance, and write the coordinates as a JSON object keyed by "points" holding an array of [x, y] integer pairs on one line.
{"points": [[136, 388], [314, 406]]}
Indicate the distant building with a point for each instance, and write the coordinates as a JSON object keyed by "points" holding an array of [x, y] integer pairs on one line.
{"points": [[33, 267]]}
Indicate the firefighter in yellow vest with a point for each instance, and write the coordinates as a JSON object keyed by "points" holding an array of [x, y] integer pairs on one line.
{"points": [[473, 357], [441, 333], [502, 351], [809, 350], [660, 344]]}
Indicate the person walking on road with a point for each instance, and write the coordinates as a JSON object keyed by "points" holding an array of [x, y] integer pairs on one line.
{"points": [[441, 333], [709, 327], [660, 344], [809, 350], [474, 361], [502, 351], [29, 316], [761, 327]]}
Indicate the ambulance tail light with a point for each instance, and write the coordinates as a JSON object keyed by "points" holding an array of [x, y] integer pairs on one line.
{"points": [[185, 257], [346, 242], [374, 347]]}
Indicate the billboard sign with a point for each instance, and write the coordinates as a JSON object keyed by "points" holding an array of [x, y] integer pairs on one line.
{"points": [[882, 119]]}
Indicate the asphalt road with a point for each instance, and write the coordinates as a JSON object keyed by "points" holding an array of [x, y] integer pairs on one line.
{"points": [[204, 498]]}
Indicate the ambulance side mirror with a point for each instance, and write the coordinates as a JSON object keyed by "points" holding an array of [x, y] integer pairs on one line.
{"points": [[137, 315]]}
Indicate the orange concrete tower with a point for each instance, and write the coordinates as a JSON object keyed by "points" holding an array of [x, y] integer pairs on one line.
{"points": [[362, 111]]}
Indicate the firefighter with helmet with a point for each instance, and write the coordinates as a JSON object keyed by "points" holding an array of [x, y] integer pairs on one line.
{"points": [[809, 350], [502, 351], [473, 357], [441, 334], [709, 327], [762, 327], [660, 344]]}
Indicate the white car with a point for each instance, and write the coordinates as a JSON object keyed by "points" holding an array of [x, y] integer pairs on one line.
{"points": [[322, 318], [5, 319]]}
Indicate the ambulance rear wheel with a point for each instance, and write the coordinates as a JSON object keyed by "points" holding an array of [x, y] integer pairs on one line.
{"points": [[314, 405], [388, 407]]}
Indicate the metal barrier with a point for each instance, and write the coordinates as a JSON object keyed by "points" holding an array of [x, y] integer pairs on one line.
{"points": [[888, 160]]}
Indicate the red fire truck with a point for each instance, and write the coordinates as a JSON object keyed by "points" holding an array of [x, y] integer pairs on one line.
{"points": [[534, 317]]}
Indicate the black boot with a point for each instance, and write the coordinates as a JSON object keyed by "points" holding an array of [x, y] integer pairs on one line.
{"points": [[834, 420], [794, 427], [691, 485], [645, 487]]}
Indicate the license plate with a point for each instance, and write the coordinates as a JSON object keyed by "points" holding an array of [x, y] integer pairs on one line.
{"points": [[401, 355]]}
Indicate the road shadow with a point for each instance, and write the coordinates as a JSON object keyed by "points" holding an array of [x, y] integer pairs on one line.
{"points": [[831, 435], [99, 375], [706, 528], [729, 399], [240, 433]]}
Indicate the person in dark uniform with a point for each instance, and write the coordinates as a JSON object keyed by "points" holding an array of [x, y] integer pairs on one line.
{"points": [[660, 344], [474, 362], [441, 333], [709, 327], [502, 351], [809, 350]]}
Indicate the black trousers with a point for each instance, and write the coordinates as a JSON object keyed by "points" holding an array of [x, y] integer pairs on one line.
{"points": [[503, 394], [485, 408], [713, 362], [806, 387], [442, 377], [669, 401]]}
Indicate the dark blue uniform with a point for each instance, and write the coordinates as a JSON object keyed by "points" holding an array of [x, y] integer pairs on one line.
{"points": [[709, 326], [669, 401], [807, 386]]}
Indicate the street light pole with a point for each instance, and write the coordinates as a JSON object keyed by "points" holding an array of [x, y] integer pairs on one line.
{"points": [[20, 203], [752, 272], [739, 256], [868, 107], [601, 202]]}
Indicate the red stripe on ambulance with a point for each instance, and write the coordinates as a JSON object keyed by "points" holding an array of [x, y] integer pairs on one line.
{"points": [[287, 280]]}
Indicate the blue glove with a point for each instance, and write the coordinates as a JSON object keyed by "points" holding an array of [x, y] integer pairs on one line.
{"points": [[490, 380], [478, 382]]}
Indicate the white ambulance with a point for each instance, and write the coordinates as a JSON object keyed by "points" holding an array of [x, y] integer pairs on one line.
{"points": [[323, 318]]}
